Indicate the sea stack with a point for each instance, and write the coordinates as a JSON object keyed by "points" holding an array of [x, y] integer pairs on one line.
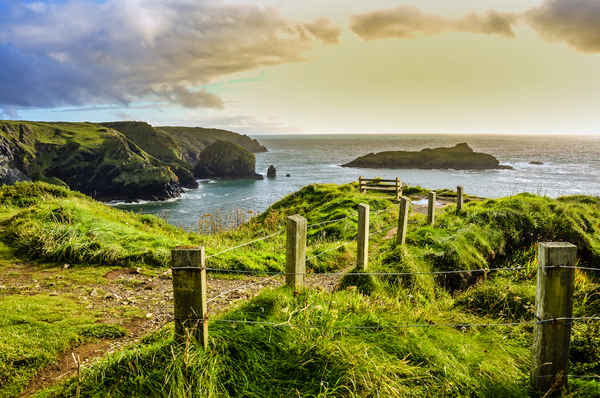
{"points": [[224, 159], [271, 172]]}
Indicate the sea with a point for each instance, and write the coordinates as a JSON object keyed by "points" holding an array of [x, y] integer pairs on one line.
{"points": [[571, 166]]}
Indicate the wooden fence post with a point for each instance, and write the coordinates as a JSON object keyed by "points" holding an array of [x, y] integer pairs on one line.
{"points": [[459, 198], [431, 208], [362, 240], [553, 299], [402, 221], [360, 185], [295, 254], [398, 188], [189, 294]]}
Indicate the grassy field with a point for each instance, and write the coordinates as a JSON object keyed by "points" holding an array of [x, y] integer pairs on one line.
{"points": [[328, 352]]}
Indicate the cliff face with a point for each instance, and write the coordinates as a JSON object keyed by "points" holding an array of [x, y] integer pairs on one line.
{"points": [[86, 157], [224, 159], [459, 157], [159, 146], [192, 140]]}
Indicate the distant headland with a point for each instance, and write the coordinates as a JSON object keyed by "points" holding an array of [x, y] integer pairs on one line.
{"points": [[459, 157], [116, 160]]}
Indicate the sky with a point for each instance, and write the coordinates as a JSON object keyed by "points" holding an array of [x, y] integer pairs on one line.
{"points": [[311, 66]]}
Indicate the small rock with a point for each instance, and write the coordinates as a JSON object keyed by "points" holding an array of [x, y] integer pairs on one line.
{"points": [[149, 315], [2, 287], [66, 266], [271, 172], [131, 299], [287, 175], [89, 306], [168, 274], [94, 293], [138, 270]]}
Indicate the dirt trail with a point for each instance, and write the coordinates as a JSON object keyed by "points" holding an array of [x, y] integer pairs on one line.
{"points": [[122, 289]]}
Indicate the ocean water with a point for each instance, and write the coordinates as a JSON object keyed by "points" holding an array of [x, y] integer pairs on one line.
{"points": [[571, 166]]}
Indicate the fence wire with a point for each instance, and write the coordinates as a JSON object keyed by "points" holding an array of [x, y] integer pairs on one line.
{"points": [[244, 244]]}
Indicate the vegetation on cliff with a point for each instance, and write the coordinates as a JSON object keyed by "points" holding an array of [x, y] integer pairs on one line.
{"points": [[320, 361], [459, 157], [117, 160], [224, 159], [87, 157], [192, 140]]}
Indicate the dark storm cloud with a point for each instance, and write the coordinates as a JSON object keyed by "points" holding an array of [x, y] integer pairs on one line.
{"points": [[78, 52]]}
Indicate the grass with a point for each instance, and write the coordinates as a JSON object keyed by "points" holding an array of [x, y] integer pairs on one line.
{"points": [[251, 361], [54, 224], [34, 330], [320, 361]]}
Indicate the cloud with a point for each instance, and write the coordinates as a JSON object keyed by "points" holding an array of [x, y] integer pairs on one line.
{"points": [[80, 52], [409, 22], [575, 22], [324, 30], [401, 22], [491, 23], [194, 99]]}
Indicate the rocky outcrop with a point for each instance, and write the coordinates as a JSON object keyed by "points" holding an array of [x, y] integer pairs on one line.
{"points": [[271, 172], [224, 159], [86, 157], [160, 146], [459, 157], [9, 170], [192, 140]]}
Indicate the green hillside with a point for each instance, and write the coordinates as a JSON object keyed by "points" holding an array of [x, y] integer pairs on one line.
{"points": [[192, 140], [343, 343], [87, 157]]}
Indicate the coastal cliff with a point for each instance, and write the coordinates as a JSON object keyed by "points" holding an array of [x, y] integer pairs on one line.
{"points": [[459, 157], [224, 159], [116, 160], [86, 157]]}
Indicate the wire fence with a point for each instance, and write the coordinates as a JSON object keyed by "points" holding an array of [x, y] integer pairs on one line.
{"points": [[381, 326]]}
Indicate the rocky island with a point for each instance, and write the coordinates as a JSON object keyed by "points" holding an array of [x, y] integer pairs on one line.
{"points": [[224, 159], [459, 157]]}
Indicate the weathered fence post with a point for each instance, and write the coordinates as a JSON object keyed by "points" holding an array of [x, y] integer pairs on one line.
{"points": [[360, 185], [459, 198], [362, 240], [398, 188], [431, 208], [402, 221], [189, 294], [553, 299], [295, 254]]}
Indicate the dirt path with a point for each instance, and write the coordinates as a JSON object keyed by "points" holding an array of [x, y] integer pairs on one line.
{"points": [[120, 291]]}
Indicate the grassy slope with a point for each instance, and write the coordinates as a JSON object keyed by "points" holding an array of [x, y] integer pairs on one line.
{"points": [[80, 154], [441, 361], [55, 224], [193, 139]]}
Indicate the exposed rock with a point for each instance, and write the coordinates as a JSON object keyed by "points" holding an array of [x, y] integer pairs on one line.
{"points": [[271, 172], [536, 162], [288, 175], [224, 159], [459, 157], [86, 157]]}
